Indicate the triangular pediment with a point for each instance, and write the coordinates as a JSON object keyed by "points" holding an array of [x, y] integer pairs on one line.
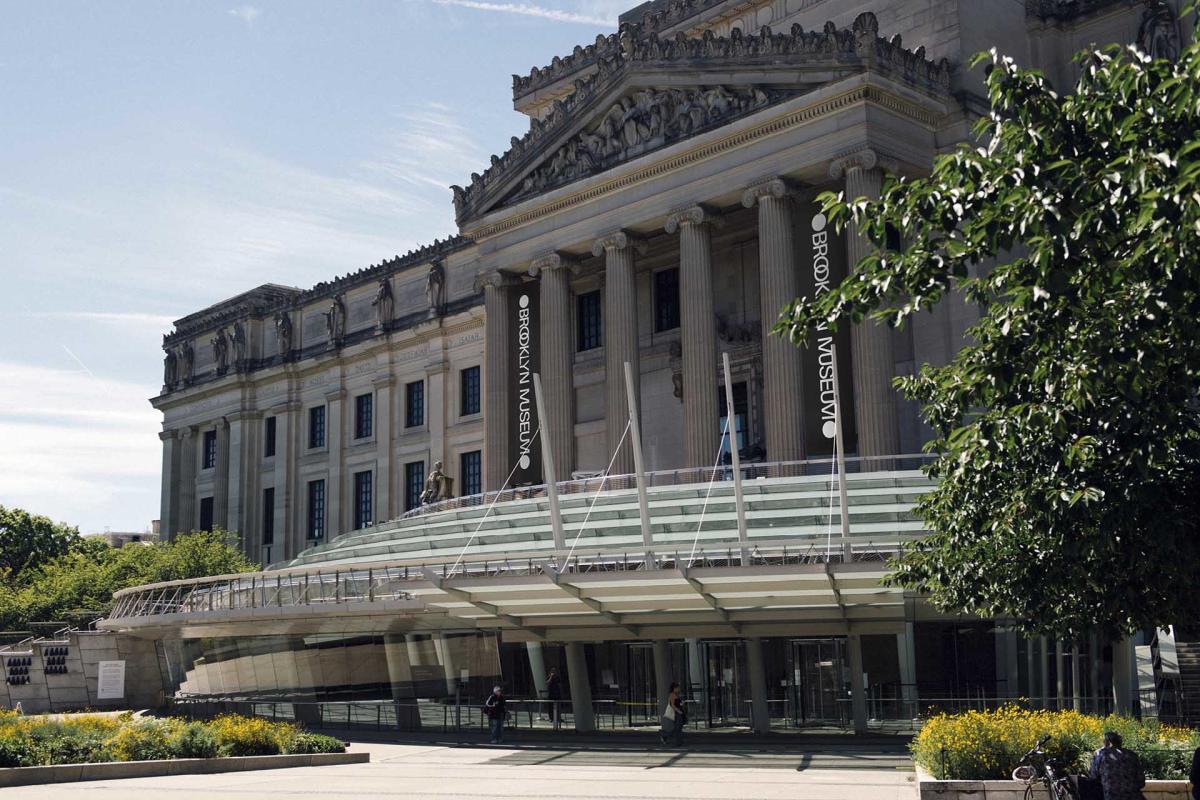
{"points": [[664, 91]]}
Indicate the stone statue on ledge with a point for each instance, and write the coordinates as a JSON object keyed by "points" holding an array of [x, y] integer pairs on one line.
{"points": [[435, 289], [283, 334], [384, 304], [438, 486]]}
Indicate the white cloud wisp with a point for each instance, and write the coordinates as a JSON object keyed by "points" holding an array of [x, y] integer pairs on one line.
{"points": [[529, 10]]}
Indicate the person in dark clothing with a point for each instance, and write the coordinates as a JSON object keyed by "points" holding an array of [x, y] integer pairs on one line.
{"points": [[496, 712], [674, 718], [1194, 775], [553, 693], [1118, 770]]}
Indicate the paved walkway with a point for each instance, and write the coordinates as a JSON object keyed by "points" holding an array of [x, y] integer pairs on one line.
{"points": [[594, 773]]}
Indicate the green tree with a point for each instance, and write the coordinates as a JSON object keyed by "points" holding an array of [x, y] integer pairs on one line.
{"points": [[27, 540], [82, 581], [1066, 432]]}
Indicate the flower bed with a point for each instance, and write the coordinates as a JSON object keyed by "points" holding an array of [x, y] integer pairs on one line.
{"points": [[987, 745], [91, 738]]}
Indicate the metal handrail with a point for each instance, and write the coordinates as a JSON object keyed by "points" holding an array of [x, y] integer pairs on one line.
{"points": [[661, 478], [378, 583]]}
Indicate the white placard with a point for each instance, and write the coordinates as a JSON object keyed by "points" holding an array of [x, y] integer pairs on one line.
{"points": [[110, 683]]}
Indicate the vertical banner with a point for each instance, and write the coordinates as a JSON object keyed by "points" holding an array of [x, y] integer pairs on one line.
{"points": [[822, 267], [524, 361]]}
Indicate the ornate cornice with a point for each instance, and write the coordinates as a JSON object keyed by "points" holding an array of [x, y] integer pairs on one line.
{"points": [[698, 214], [777, 188], [1069, 9], [796, 118], [680, 112]]}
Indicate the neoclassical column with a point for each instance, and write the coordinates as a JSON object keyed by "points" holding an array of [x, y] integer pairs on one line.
{"points": [[384, 415], [698, 335], [870, 341], [778, 286], [221, 476], [620, 339], [557, 359], [495, 388], [186, 520], [335, 435], [169, 502]]}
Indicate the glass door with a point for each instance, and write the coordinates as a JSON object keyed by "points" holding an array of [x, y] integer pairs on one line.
{"points": [[818, 681], [641, 695], [727, 694]]}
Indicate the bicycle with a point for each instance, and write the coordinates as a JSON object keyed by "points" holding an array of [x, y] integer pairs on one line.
{"points": [[1036, 767]]}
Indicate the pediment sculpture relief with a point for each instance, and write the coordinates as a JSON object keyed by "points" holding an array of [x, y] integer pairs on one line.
{"points": [[639, 123]]}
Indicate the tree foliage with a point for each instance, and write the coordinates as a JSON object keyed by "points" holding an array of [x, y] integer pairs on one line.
{"points": [[28, 540], [1066, 431], [81, 582]]}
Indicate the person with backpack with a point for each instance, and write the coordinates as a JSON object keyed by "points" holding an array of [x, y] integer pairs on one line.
{"points": [[494, 708], [1118, 770], [674, 718]]}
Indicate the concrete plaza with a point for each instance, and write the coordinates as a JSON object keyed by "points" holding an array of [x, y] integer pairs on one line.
{"points": [[450, 772]]}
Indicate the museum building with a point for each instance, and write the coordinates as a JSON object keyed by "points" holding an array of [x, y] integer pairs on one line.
{"points": [[566, 437]]}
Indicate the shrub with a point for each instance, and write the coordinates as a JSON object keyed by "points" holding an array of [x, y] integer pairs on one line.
{"points": [[194, 740], [988, 745], [247, 736], [148, 740], [305, 742]]}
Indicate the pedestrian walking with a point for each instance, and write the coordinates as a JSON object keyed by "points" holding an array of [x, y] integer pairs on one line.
{"points": [[1118, 770], [494, 708], [554, 693], [674, 718]]}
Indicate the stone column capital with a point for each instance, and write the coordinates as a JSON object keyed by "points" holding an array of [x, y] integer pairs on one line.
{"points": [[777, 188], [548, 262], [863, 159], [698, 214], [168, 436], [335, 395], [384, 383], [492, 279], [618, 240], [186, 433]]}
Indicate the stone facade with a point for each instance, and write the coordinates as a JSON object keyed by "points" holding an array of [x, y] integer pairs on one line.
{"points": [[666, 160]]}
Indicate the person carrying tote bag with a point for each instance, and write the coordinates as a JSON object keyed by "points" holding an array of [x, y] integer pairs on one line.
{"points": [[674, 718]]}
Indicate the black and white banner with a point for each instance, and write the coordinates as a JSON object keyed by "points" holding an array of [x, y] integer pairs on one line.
{"points": [[822, 267], [525, 332]]}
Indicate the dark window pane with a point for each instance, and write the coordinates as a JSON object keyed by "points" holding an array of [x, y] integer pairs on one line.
{"points": [[268, 516], [589, 322], [666, 300], [471, 473], [269, 438], [316, 509], [414, 484], [470, 391], [414, 404], [206, 513], [363, 500], [363, 412], [210, 449], [316, 426]]}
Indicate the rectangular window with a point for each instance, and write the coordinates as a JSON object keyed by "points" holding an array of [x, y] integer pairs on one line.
{"points": [[210, 449], [738, 430], [269, 438], [414, 484], [666, 300], [316, 427], [590, 324], [414, 404], [268, 516], [470, 391], [471, 473], [206, 513], [316, 509], [363, 411], [364, 513]]}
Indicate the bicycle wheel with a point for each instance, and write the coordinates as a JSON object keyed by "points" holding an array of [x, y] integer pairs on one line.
{"points": [[1064, 790]]}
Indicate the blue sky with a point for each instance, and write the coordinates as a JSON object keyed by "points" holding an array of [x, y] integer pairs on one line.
{"points": [[157, 157]]}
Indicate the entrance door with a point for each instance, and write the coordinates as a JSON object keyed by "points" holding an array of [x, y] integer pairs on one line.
{"points": [[726, 695], [818, 675], [641, 697]]}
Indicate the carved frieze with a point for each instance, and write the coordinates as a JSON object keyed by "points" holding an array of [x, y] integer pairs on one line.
{"points": [[649, 118]]}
